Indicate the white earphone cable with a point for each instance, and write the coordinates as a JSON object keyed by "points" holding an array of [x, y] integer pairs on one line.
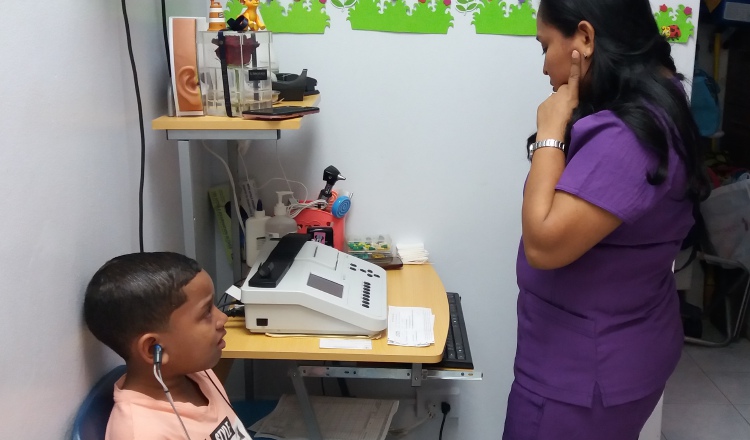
{"points": [[157, 375]]}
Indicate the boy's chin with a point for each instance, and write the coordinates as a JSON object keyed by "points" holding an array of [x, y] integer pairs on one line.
{"points": [[215, 360]]}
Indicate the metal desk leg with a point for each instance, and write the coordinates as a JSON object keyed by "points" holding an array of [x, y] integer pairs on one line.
{"points": [[186, 190], [304, 401], [197, 215], [416, 375]]}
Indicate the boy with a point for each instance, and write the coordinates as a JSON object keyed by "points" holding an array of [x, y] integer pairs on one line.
{"points": [[156, 310]]}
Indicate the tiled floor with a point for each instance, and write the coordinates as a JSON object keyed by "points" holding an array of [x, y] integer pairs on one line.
{"points": [[708, 396]]}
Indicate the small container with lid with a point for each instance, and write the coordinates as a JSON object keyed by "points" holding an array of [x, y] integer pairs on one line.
{"points": [[280, 224]]}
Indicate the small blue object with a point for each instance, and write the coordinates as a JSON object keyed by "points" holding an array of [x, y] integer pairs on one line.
{"points": [[704, 103], [93, 414], [157, 354], [341, 206]]}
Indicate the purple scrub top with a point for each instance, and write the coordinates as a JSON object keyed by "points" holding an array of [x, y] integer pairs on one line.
{"points": [[611, 317]]}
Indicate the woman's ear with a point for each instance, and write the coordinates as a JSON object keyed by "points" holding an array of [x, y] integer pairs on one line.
{"points": [[585, 36], [145, 349]]}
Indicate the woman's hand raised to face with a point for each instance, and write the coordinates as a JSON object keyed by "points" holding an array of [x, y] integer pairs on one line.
{"points": [[553, 114]]}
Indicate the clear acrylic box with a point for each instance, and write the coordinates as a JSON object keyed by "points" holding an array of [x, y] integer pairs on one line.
{"points": [[248, 71]]}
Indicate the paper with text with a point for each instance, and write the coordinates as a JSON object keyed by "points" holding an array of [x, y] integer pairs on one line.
{"points": [[411, 326]]}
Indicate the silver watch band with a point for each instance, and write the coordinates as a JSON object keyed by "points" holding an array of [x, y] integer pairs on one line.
{"points": [[554, 143]]}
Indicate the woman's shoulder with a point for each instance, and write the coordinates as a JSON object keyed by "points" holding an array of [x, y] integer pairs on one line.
{"points": [[599, 120], [605, 133], [601, 126]]}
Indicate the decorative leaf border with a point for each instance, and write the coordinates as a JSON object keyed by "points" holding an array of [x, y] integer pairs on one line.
{"points": [[425, 17], [496, 17], [676, 26]]}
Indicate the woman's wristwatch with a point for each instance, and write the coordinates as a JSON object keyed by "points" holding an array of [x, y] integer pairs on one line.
{"points": [[554, 143]]}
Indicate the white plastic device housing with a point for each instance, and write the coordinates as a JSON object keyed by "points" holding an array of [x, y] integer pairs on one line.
{"points": [[294, 306]]}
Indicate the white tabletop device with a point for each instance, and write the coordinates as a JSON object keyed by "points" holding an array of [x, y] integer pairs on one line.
{"points": [[305, 287]]}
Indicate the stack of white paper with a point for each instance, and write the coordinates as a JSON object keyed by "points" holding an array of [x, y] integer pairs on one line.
{"points": [[412, 253], [410, 326]]}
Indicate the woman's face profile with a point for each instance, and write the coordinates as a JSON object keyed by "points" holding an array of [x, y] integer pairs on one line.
{"points": [[557, 50]]}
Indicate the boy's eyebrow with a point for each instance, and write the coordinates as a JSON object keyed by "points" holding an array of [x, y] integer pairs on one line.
{"points": [[209, 299]]}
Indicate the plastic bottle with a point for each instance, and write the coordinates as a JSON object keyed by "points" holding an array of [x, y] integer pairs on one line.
{"points": [[280, 224], [255, 231]]}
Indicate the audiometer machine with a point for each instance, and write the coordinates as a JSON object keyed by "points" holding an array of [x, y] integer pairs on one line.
{"points": [[297, 286]]}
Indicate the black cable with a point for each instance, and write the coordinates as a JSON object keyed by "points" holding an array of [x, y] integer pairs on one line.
{"points": [[219, 391], [343, 387], [445, 408], [166, 39], [140, 121], [221, 300]]}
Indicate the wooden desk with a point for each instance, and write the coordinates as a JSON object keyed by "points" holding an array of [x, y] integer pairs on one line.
{"points": [[411, 286]]}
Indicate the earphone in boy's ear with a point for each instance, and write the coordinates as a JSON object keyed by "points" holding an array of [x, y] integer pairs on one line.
{"points": [[158, 350], [157, 354]]}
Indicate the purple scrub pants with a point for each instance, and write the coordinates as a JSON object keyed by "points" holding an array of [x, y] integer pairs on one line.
{"points": [[532, 417]]}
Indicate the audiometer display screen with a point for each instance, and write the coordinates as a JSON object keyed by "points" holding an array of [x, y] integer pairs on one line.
{"points": [[325, 285]]}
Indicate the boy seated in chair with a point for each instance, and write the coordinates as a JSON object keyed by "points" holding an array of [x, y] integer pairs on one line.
{"points": [[157, 311]]}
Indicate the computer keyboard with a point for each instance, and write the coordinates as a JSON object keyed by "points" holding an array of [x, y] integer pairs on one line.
{"points": [[456, 353]]}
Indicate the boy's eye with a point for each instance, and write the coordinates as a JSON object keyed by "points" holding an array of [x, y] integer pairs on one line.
{"points": [[544, 50]]}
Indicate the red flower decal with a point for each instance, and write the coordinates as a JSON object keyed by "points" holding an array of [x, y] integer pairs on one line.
{"points": [[663, 8], [688, 11]]}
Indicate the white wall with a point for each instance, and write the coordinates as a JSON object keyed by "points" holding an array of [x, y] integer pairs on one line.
{"points": [[429, 131], [69, 167]]}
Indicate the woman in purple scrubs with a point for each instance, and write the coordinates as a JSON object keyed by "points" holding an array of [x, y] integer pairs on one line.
{"points": [[615, 174]]}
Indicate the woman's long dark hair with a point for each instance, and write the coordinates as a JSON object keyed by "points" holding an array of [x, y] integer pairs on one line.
{"points": [[628, 75]]}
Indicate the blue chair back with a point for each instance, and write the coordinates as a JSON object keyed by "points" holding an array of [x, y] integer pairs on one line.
{"points": [[93, 414]]}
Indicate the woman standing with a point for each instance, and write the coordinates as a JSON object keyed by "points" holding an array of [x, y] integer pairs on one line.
{"points": [[615, 174]]}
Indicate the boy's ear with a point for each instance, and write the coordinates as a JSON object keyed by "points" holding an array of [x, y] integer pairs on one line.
{"points": [[144, 348]]}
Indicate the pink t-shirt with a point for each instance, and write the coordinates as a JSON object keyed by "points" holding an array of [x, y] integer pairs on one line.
{"points": [[136, 416]]}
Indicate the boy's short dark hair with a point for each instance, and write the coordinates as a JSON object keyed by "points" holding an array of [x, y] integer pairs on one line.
{"points": [[135, 294]]}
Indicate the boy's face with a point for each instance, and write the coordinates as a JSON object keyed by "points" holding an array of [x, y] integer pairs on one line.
{"points": [[196, 329]]}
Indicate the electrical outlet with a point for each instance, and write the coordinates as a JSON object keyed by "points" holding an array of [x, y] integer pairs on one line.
{"points": [[429, 400]]}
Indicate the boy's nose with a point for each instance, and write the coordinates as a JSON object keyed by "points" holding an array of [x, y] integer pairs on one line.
{"points": [[223, 318]]}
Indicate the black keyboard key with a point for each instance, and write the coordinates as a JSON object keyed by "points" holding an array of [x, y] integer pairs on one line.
{"points": [[456, 353]]}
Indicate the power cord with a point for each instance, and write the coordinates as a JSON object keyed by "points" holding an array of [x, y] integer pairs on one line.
{"points": [[166, 39], [279, 178], [400, 432], [278, 158], [231, 183], [445, 408], [140, 122]]}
